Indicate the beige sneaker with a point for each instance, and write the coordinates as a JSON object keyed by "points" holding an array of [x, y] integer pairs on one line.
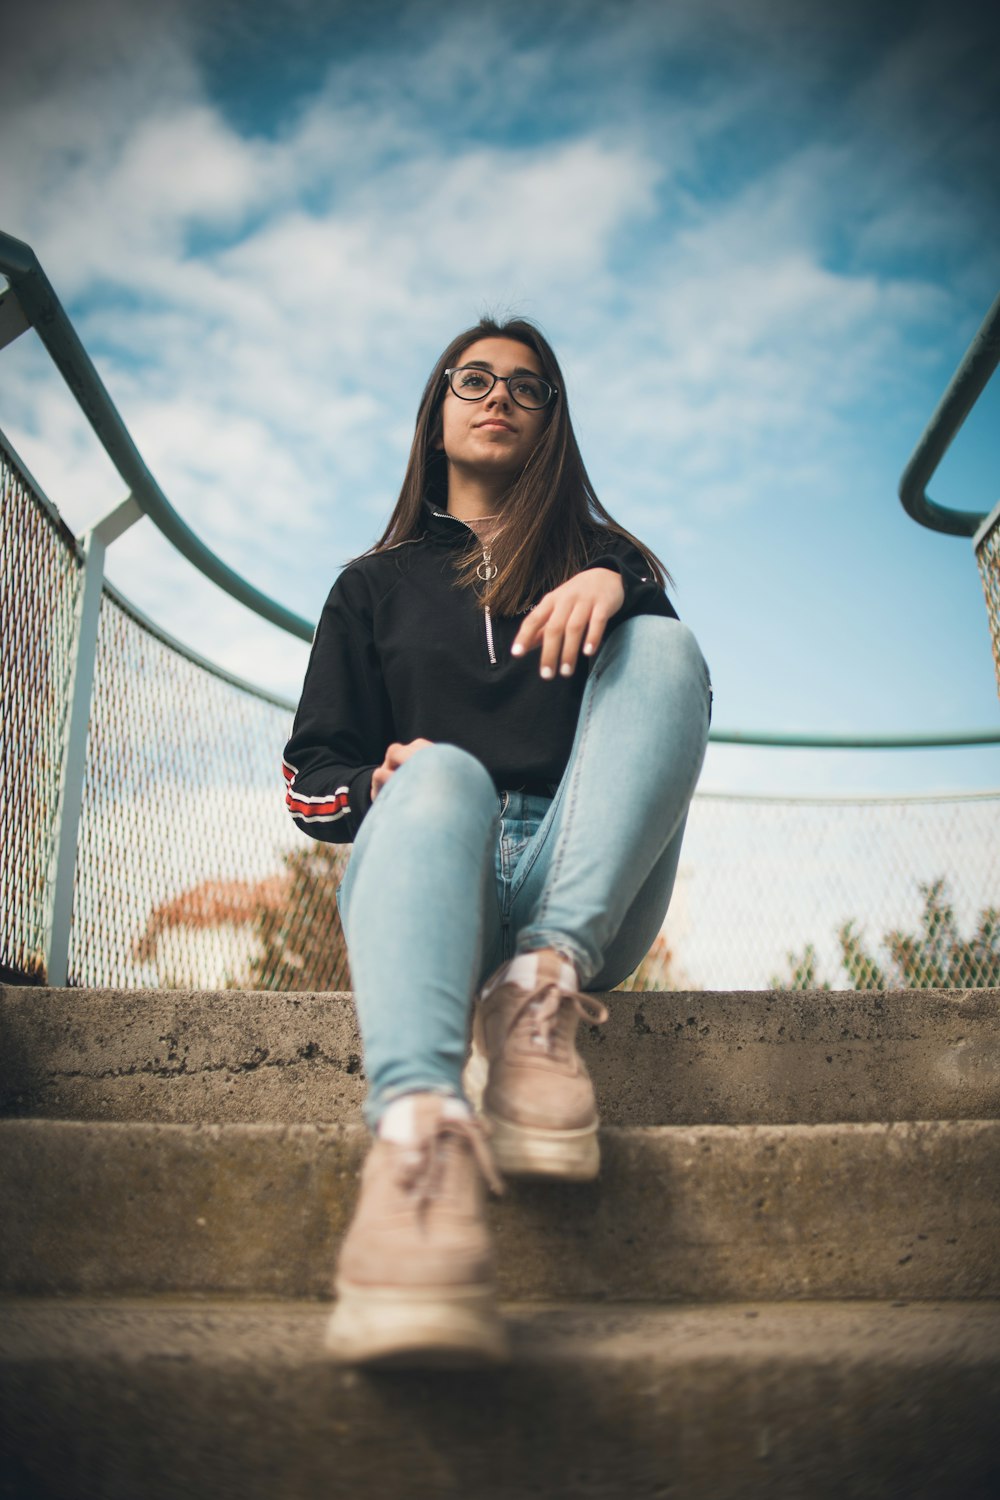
{"points": [[415, 1277], [524, 1074]]}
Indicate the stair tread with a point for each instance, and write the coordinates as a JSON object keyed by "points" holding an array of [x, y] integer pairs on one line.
{"points": [[355, 1133], [663, 1057], [170, 1338], [213, 1400], [136, 1329], [703, 1212]]}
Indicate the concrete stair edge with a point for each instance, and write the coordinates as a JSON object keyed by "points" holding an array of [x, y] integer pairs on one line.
{"points": [[207, 1399], [767, 1057], [700, 1212], [138, 1357]]}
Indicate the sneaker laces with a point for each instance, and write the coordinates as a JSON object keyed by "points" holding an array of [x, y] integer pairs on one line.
{"points": [[420, 1168], [547, 1016]]}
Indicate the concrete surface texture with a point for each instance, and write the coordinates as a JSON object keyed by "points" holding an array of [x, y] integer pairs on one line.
{"points": [[238, 1402], [662, 1059], [785, 1282], [706, 1212]]}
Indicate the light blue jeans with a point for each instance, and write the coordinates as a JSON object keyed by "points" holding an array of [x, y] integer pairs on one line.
{"points": [[447, 879]]}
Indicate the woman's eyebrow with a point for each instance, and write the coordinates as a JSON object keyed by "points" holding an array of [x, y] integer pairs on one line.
{"points": [[484, 364]]}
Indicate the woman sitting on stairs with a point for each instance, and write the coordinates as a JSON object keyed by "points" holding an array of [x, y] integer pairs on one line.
{"points": [[504, 714]]}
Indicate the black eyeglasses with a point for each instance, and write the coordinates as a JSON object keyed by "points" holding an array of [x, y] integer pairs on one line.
{"points": [[470, 383]]}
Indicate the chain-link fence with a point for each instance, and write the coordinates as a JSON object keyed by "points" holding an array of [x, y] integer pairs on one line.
{"points": [[188, 870], [39, 586], [189, 873], [846, 894], [988, 557]]}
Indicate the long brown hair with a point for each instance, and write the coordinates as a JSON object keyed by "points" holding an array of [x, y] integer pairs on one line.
{"points": [[553, 523]]}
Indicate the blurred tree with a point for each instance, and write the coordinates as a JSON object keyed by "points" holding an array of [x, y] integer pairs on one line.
{"points": [[302, 944], [802, 973], [658, 971], [934, 957]]}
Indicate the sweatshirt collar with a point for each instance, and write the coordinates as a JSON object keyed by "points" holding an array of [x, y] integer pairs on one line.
{"points": [[446, 529]]}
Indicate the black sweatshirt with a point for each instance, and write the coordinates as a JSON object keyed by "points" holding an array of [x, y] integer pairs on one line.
{"points": [[402, 652]]}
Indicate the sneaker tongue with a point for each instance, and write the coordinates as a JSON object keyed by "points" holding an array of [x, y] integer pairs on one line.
{"points": [[523, 970], [399, 1123]]}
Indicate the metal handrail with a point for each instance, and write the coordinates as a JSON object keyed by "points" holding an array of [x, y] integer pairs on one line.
{"points": [[966, 386], [32, 292], [856, 741], [35, 304]]}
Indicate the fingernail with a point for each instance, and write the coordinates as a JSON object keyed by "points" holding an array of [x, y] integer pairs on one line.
{"points": [[517, 650], [566, 669], [547, 672], [588, 649]]}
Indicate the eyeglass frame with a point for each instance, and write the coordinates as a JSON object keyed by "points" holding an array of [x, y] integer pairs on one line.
{"points": [[520, 375]]}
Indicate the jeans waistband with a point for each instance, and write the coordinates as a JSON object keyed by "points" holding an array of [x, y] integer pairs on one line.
{"points": [[523, 804]]}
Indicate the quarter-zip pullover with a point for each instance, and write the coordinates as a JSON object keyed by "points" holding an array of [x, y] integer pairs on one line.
{"points": [[403, 652]]}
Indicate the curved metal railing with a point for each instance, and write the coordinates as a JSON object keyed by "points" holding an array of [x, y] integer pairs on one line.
{"points": [[964, 389], [31, 302], [143, 840]]}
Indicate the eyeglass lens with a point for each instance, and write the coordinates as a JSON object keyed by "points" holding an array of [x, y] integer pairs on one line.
{"points": [[529, 391]]}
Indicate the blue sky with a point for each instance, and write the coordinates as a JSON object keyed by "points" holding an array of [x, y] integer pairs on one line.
{"points": [[760, 236]]}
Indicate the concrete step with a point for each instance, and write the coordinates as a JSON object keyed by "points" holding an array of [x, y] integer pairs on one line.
{"points": [[663, 1059], [216, 1401], [700, 1213]]}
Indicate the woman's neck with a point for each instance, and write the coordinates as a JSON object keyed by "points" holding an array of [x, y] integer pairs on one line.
{"points": [[485, 527], [475, 497]]}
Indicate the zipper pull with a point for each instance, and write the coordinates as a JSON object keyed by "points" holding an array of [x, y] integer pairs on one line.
{"points": [[487, 571]]}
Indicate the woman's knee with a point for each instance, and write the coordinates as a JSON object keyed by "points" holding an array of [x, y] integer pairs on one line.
{"points": [[659, 649], [440, 781], [441, 792]]}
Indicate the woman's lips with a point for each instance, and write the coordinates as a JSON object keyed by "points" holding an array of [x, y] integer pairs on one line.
{"points": [[496, 422]]}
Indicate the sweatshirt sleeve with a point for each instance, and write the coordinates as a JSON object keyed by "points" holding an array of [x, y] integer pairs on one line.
{"points": [[343, 722], [643, 595]]}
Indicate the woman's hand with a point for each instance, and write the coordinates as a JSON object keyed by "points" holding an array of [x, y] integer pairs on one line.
{"points": [[578, 610], [394, 758]]}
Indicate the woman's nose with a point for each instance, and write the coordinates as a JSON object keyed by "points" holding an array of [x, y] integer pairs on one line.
{"points": [[499, 395]]}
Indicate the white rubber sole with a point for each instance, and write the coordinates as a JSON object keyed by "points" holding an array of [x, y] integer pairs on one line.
{"points": [[529, 1151], [422, 1327], [474, 1076]]}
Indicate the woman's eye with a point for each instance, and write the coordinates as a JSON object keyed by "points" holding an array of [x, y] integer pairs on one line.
{"points": [[472, 381], [528, 388]]}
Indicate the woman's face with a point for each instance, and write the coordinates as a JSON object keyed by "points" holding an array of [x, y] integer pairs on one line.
{"points": [[493, 436]]}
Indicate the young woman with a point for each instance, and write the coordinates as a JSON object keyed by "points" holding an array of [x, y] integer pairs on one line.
{"points": [[504, 714]]}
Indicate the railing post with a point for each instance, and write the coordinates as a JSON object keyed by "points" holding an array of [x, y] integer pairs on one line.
{"points": [[13, 319], [987, 547], [63, 866]]}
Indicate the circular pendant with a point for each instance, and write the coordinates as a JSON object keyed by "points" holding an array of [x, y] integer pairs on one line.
{"points": [[487, 572]]}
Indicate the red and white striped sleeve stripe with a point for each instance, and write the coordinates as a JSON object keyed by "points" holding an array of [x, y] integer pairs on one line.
{"points": [[325, 809]]}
